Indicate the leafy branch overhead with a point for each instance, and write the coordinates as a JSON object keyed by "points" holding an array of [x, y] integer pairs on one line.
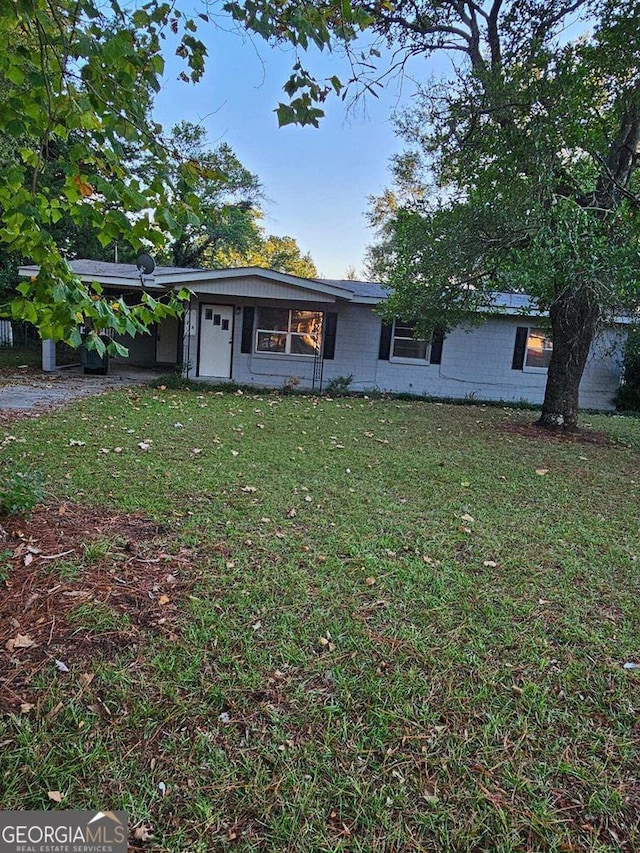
{"points": [[77, 83]]}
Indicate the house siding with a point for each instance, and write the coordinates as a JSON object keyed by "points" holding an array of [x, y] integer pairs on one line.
{"points": [[476, 360]]}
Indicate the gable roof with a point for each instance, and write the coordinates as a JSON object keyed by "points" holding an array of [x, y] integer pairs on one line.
{"points": [[128, 275], [327, 290]]}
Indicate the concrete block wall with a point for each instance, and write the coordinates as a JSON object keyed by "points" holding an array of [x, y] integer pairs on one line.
{"points": [[476, 361]]}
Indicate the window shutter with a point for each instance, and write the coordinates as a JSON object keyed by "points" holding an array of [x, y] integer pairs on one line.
{"points": [[330, 328], [385, 341], [437, 341], [522, 333], [246, 342]]}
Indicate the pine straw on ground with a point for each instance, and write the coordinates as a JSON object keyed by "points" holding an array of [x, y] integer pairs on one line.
{"points": [[129, 577], [580, 436]]}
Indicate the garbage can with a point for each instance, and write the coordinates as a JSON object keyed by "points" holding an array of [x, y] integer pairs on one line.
{"points": [[95, 364]]}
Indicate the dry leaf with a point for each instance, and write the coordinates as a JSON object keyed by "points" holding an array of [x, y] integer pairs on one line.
{"points": [[235, 452], [55, 796], [542, 471], [28, 559], [164, 599], [20, 641], [142, 832], [490, 563], [467, 517], [86, 678], [25, 707], [292, 512], [370, 581]]}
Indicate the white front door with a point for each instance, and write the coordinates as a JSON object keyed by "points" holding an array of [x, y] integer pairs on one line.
{"points": [[216, 338]]}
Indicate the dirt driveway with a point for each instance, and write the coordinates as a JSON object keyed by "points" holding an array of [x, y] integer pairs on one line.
{"points": [[27, 391]]}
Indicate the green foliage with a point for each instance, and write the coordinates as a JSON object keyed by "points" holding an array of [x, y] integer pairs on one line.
{"points": [[521, 176], [227, 195], [271, 252], [76, 81], [338, 386], [20, 491], [628, 395], [631, 359]]}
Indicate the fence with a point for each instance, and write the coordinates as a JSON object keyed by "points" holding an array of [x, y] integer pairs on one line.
{"points": [[6, 333]]}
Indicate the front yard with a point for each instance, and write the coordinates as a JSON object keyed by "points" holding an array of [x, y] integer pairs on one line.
{"points": [[303, 624]]}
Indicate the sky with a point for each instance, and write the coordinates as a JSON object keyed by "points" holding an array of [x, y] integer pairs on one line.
{"points": [[316, 181]]}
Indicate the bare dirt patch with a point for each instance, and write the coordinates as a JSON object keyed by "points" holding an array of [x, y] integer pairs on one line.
{"points": [[582, 436], [78, 582]]}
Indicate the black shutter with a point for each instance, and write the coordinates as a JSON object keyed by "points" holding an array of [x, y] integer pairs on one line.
{"points": [[330, 328], [437, 340], [522, 333], [385, 341], [246, 343]]}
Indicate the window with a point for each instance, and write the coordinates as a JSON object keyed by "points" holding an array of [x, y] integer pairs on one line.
{"points": [[404, 345], [539, 349], [289, 332]]}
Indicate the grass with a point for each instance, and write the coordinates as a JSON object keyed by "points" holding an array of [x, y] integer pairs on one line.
{"points": [[405, 637]]}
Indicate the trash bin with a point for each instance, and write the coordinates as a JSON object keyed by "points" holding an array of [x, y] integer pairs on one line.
{"points": [[94, 363]]}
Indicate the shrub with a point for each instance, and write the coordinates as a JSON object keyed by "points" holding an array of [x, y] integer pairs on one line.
{"points": [[20, 491], [628, 395], [338, 385]]}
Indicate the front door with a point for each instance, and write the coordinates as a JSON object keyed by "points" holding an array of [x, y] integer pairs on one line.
{"points": [[216, 338]]}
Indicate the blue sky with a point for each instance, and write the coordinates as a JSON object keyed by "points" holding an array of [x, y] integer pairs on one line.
{"points": [[317, 180]]}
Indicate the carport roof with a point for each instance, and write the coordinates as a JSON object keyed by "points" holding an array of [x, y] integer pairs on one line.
{"points": [[128, 275]]}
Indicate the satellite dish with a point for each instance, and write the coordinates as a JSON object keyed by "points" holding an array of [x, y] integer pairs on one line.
{"points": [[145, 264]]}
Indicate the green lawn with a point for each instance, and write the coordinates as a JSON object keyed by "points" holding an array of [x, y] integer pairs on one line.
{"points": [[408, 630]]}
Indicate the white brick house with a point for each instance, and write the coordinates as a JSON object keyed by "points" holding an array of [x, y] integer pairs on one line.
{"points": [[260, 327]]}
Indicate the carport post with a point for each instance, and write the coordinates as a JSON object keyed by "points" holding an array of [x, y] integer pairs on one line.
{"points": [[49, 356]]}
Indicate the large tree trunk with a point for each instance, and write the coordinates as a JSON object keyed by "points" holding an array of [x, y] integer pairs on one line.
{"points": [[574, 319]]}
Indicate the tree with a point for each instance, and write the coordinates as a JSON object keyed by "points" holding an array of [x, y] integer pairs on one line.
{"points": [[275, 253], [522, 176], [532, 149], [78, 78], [228, 199]]}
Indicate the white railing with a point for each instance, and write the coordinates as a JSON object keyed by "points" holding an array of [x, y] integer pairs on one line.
{"points": [[6, 333]]}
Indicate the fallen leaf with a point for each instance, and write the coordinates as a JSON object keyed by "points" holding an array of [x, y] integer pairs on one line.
{"points": [[142, 832], [370, 581], [25, 707], [235, 452], [28, 559], [249, 489], [164, 599], [61, 666], [542, 471], [490, 564], [55, 796], [467, 517], [144, 445], [20, 641], [292, 512], [86, 678]]}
